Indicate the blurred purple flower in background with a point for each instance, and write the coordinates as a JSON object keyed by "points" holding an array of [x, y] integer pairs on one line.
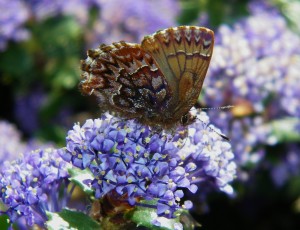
{"points": [[29, 105], [130, 20], [255, 67], [42, 9], [10, 141], [254, 61], [11, 144], [287, 167], [127, 20], [13, 15], [16, 13], [130, 159]]}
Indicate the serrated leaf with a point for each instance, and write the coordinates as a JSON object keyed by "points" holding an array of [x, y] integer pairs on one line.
{"points": [[78, 177], [284, 130], [71, 220]]}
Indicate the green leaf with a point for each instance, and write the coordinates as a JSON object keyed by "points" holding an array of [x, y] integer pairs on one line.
{"points": [[284, 130], [72, 220], [190, 10], [144, 216], [4, 222], [221, 12], [58, 43], [217, 11], [67, 75], [16, 61], [50, 131], [290, 9], [57, 36], [78, 176]]}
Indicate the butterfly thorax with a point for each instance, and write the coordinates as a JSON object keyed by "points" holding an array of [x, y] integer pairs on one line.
{"points": [[165, 120]]}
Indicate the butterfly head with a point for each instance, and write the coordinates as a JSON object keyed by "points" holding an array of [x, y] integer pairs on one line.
{"points": [[187, 119]]}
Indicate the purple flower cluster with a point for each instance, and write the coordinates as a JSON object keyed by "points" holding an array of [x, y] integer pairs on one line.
{"points": [[29, 186], [255, 67], [130, 20], [135, 161], [29, 105], [13, 15]]}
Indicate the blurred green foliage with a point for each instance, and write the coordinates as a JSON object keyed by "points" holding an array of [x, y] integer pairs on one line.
{"points": [[290, 9], [217, 11], [3, 222], [50, 59]]}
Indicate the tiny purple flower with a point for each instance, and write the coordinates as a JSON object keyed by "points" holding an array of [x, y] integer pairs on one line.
{"points": [[29, 186]]}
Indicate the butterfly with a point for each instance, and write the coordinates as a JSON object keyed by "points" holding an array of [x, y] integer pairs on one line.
{"points": [[156, 82]]}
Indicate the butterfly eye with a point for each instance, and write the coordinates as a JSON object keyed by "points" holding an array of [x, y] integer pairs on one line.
{"points": [[184, 119], [187, 119]]}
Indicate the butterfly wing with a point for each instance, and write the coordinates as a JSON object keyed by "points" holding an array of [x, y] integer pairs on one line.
{"points": [[183, 54], [125, 79]]}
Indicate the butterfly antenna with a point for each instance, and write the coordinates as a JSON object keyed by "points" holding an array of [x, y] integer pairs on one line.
{"points": [[212, 129], [214, 108]]}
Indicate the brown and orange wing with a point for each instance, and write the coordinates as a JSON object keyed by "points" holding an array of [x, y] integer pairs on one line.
{"points": [[183, 55], [125, 79]]}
